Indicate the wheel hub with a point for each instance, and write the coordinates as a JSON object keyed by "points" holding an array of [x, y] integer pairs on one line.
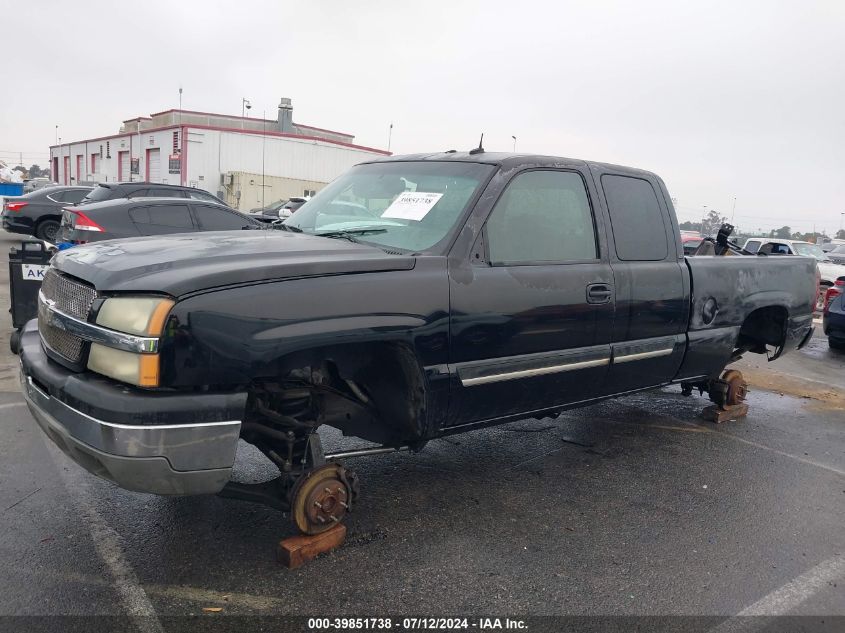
{"points": [[321, 499]]}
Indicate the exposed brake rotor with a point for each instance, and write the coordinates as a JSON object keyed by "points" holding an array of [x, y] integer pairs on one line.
{"points": [[321, 498]]}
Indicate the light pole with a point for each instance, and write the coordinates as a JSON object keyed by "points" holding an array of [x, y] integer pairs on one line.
{"points": [[245, 104], [389, 136], [57, 135], [514, 143]]}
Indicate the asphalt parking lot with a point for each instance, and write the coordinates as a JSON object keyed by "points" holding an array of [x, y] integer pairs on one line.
{"points": [[630, 507]]}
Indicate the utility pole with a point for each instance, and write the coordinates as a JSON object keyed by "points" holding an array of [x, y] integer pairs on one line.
{"points": [[733, 211], [389, 136], [263, 144]]}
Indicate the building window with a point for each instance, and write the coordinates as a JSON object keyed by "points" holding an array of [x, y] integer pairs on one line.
{"points": [[309, 193], [108, 149], [175, 142]]}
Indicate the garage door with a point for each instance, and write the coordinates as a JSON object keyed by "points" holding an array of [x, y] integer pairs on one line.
{"points": [[153, 165], [123, 165]]}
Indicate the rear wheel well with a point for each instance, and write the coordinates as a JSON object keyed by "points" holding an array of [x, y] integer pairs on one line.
{"points": [[763, 327], [44, 218]]}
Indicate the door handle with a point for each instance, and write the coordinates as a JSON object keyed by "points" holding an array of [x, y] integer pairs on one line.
{"points": [[599, 293]]}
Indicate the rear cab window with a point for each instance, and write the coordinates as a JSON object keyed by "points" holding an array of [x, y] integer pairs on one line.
{"points": [[636, 218], [752, 246]]}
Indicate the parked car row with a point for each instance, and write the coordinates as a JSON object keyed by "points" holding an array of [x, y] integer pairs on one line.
{"points": [[829, 271], [45, 212], [134, 217]]}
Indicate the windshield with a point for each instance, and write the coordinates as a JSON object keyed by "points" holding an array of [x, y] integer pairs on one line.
{"points": [[411, 206], [810, 250]]}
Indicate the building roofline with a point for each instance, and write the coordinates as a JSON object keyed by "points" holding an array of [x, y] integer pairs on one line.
{"points": [[234, 130], [241, 118]]}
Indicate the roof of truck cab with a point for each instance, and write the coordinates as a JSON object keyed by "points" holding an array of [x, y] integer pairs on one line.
{"points": [[509, 160]]}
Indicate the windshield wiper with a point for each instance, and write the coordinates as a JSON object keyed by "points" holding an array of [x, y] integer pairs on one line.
{"points": [[350, 234], [280, 224]]}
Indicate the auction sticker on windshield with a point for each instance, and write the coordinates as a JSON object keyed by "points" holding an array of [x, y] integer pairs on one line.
{"points": [[412, 205]]}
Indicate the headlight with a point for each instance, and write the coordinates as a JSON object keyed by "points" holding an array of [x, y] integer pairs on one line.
{"points": [[142, 316]]}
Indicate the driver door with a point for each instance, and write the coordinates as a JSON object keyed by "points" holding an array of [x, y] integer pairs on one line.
{"points": [[530, 327]]}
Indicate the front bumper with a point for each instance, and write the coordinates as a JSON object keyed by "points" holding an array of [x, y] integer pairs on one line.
{"points": [[143, 441]]}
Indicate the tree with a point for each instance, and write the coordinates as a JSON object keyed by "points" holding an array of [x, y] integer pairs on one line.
{"points": [[840, 234], [782, 233], [21, 169], [712, 222], [690, 226], [35, 171]]}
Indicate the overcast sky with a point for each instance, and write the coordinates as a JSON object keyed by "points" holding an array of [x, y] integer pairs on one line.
{"points": [[739, 99]]}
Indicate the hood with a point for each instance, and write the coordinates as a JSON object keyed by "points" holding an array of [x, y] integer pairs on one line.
{"points": [[191, 262]]}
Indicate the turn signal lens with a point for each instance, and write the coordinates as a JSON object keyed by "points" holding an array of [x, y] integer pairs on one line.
{"points": [[136, 369]]}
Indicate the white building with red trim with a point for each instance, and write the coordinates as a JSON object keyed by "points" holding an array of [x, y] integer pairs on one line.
{"points": [[247, 162]]}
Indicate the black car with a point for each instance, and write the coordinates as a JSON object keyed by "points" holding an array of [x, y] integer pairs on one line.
{"points": [[39, 212], [116, 219], [112, 190], [833, 315]]}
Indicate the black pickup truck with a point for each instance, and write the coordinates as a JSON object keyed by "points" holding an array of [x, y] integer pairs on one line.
{"points": [[412, 298]]}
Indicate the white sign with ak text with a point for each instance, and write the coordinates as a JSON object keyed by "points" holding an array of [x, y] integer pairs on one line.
{"points": [[33, 272]]}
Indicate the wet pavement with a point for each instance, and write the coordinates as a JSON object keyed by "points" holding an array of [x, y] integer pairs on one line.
{"points": [[632, 506]]}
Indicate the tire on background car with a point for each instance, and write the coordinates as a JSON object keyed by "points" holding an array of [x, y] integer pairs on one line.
{"points": [[47, 230]]}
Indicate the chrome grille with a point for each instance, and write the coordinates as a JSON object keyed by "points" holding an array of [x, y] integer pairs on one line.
{"points": [[71, 297]]}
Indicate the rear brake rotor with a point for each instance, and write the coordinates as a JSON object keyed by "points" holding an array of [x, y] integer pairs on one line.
{"points": [[737, 387]]}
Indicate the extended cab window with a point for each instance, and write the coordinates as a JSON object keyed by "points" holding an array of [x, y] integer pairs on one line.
{"points": [[752, 246], [638, 226], [543, 216]]}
